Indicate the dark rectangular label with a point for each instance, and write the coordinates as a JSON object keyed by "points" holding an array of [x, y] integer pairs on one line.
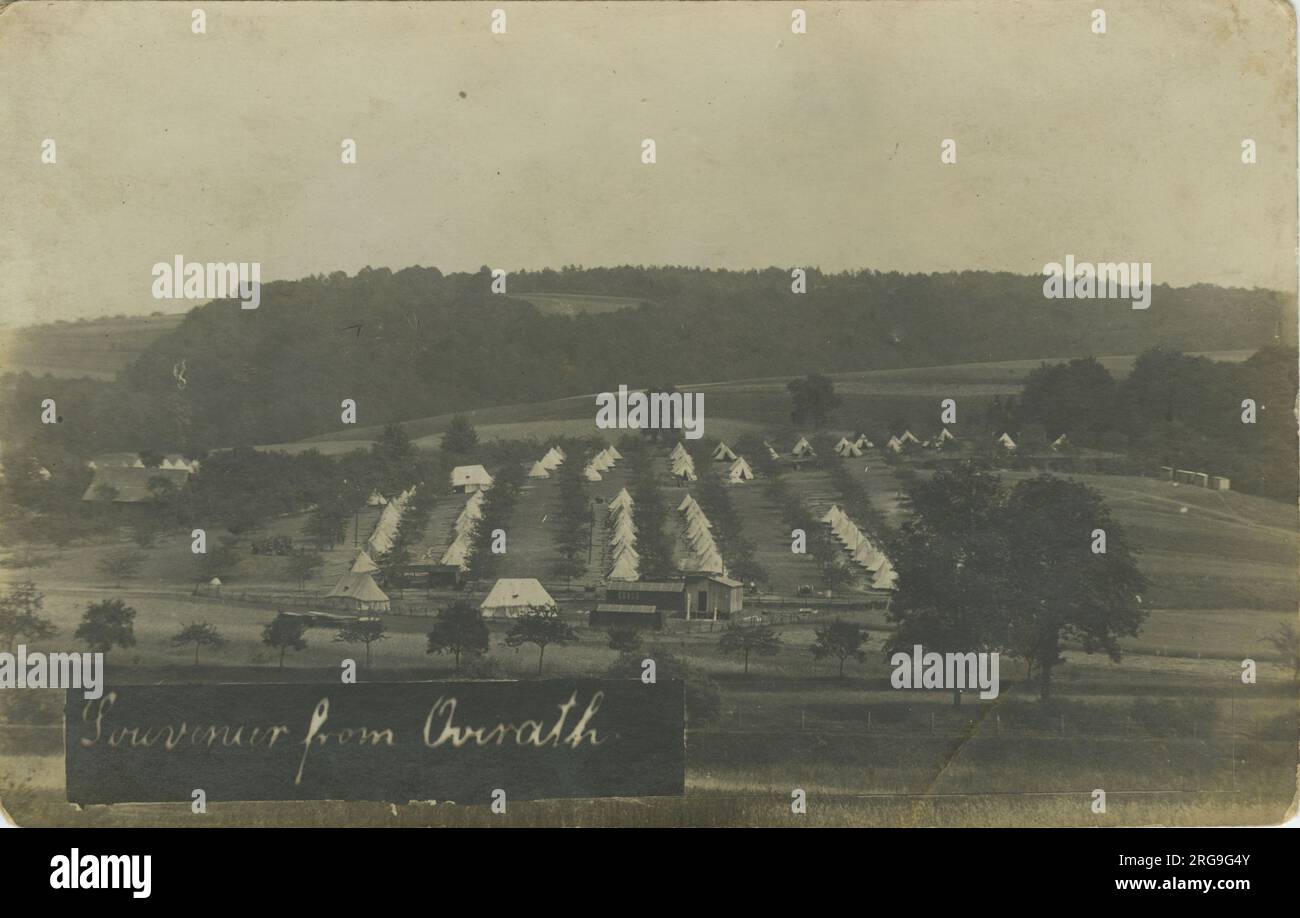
{"points": [[446, 741]]}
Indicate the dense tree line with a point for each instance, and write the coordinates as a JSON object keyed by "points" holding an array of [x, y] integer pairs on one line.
{"points": [[416, 342], [1177, 410]]}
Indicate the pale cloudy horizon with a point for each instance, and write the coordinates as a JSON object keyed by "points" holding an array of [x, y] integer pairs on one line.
{"points": [[523, 150]]}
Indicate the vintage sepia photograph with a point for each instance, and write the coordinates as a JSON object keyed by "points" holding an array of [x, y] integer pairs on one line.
{"points": [[638, 414]]}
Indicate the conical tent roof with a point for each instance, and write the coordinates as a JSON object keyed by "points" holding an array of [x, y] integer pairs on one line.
{"points": [[591, 474], [907, 437], [886, 578], [722, 453], [360, 587], [363, 564], [1006, 441], [613, 453], [621, 499], [687, 501], [457, 554], [740, 471], [623, 523], [869, 556], [833, 514], [376, 499], [625, 568], [538, 471], [801, 447], [624, 548], [511, 596], [600, 462], [894, 444], [712, 563], [679, 451], [944, 436], [863, 443]]}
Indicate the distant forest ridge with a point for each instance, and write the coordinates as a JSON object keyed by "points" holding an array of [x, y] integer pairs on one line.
{"points": [[418, 343]]}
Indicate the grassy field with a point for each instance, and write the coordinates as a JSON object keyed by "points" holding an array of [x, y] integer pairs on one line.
{"points": [[97, 349]]}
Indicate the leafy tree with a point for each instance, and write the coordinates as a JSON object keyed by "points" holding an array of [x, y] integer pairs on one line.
{"points": [[460, 436], [954, 566], [814, 399], [20, 615], [301, 566], [151, 458], [120, 564], [624, 638], [200, 634], [840, 640], [542, 626], [393, 445], [1075, 398], [459, 630], [362, 631], [748, 638], [285, 632], [107, 624], [1059, 590]]}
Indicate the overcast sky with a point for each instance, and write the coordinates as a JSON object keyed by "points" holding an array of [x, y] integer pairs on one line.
{"points": [[523, 150]]}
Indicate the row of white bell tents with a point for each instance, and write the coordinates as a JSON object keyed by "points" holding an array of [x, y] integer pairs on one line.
{"points": [[458, 552], [622, 502], [544, 466], [385, 531], [470, 514], [627, 562], [860, 547], [699, 536], [603, 461]]}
